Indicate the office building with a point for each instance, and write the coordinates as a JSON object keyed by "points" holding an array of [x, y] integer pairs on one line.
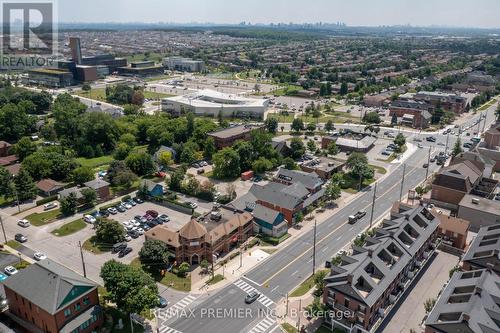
{"points": [[183, 64], [226, 137], [141, 68]]}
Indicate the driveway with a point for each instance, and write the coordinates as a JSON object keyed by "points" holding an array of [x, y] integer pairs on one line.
{"points": [[410, 313]]}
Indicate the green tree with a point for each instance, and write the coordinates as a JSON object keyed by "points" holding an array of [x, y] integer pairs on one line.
{"points": [[120, 175], [261, 165], [204, 265], [457, 148], [319, 281], [332, 148], [372, 118], [400, 140], [68, 204], [290, 164], [176, 179], [122, 151], [140, 163], [271, 125], [226, 163], [14, 122], [209, 148], [109, 232], [154, 254], [129, 287], [165, 159], [82, 175], [89, 196], [329, 126], [297, 148], [130, 109], [429, 304], [311, 146], [343, 88], [6, 183], [24, 147], [24, 185], [86, 87], [311, 127], [332, 191], [183, 269], [297, 125], [137, 97], [358, 164]]}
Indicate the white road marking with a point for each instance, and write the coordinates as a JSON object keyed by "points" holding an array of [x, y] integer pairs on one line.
{"points": [[166, 329], [264, 300], [258, 284], [274, 288], [338, 238], [295, 272], [262, 326]]}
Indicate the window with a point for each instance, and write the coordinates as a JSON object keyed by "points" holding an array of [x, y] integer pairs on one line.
{"points": [[86, 301], [67, 312], [77, 307], [346, 303]]}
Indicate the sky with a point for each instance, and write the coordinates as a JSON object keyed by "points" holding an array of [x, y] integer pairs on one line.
{"points": [[459, 13]]}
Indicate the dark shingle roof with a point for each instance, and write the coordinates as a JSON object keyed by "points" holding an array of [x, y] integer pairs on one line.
{"points": [[309, 179]]}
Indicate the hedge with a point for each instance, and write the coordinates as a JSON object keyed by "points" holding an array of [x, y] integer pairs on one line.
{"points": [[126, 198], [46, 200], [234, 255]]}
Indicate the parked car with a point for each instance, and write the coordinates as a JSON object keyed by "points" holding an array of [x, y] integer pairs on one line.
{"points": [[89, 219], [124, 252], [134, 234], [127, 205], [162, 302], [104, 213], [50, 205], [431, 139], [425, 166], [128, 238], [120, 208], [10, 270], [163, 218], [152, 213], [23, 223], [112, 210], [386, 152], [3, 277], [193, 205], [131, 202], [21, 238], [138, 200], [39, 256], [140, 230], [251, 297], [118, 247]]}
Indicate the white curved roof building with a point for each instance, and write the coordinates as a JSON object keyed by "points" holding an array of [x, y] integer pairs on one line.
{"points": [[210, 103]]}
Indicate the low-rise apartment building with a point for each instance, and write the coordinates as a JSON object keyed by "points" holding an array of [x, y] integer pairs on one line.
{"points": [[47, 297], [484, 250], [479, 211], [366, 284], [226, 137]]}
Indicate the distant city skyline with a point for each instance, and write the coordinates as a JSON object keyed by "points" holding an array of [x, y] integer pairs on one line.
{"points": [[453, 13]]}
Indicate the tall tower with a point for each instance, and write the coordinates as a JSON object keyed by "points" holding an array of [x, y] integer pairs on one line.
{"points": [[76, 50]]}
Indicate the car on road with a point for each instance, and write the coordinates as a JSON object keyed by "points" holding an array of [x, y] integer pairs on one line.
{"points": [[21, 238], [433, 159], [431, 139], [10, 270], [441, 144], [39, 256], [89, 219], [50, 205], [354, 218], [251, 297], [417, 139], [112, 210], [3, 277], [162, 302], [420, 145], [124, 252], [23, 223], [467, 145]]}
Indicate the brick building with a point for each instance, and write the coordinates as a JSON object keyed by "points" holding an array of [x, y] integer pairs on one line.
{"points": [[418, 112], [226, 137], [49, 298], [369, 282], [484, 250]]}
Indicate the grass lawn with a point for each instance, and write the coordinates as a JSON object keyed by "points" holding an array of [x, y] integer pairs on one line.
{"points": [[70, 228], [391, 158], [117, 315], [96, 93], [379, 169], [154, 95], [486, 105], [96, 161], [304, 287], [13, 244], [269, 251], [350, 182], [5, 201], [93, 246], [280, 118], [22, 265], [169, 279], [38, 219], [289, 328], [272, 241], [215, 279]]}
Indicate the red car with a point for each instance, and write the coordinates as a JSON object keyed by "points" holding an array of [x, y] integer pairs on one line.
{"points": [[152, 213]]}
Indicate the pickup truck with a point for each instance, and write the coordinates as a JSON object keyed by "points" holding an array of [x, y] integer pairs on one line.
{"points": [[353, 218]]}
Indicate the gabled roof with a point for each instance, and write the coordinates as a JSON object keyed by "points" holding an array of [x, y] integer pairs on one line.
{"points": [[96, 184], [484, 249], [265, 214], [49, 285], [309, 179], [192, 230], [460, 176], [165, 234], [280, 195], [48, 185]]}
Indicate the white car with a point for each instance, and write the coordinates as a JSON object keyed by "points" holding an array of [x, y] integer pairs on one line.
{"points": [[128, 238], [89, 219], [140, 231], [127, 205], [126, 224], [39, 256], [23, 223], [193, 205], [135, 223], [10, 270], [49, 205]]}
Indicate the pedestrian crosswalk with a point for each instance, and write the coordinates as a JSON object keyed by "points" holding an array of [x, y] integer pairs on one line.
{"points": [[166, 329], [262, 326], [176, 309], [264, 300]]}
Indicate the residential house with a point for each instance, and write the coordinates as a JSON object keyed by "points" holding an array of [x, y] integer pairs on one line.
{"points": [[484, 250], [453, 230], [480, 212], [101, 187], [481, 161], [312, 182], [368, 283], [468, 303], [77, 191], [47, 297], [281, 146], [48, 187], [269, 222], [490, 147], [324, 167], [153, 189], [4, 148]]}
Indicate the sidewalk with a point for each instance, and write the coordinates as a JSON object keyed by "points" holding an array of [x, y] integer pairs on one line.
{"points": [[294, 313]]}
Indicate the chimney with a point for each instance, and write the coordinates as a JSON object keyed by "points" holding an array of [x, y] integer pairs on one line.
{"points": [[489, 265], [370, 253], [465, 317]]}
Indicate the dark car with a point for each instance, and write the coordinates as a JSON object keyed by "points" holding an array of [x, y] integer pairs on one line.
{"points": [[152, 223], [152, 213], [118, 247], [121, 209], [425, 166], [251, 297], [162, 302], [134, 234], [138, 200], [138, 218], [104, 213], [124, 252], [21, 238]]}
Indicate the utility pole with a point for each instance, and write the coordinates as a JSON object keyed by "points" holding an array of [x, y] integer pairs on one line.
{"points": [[83, 262], [373, 204], [402, 183], [298, 322], [287, 304], [428, 162], [3, 230], [314, 248]]}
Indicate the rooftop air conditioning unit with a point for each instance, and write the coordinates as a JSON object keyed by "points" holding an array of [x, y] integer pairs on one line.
{"points": [[475, 201]]}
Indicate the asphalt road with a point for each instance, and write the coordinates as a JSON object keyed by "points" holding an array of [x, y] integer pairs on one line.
{"points": [[288, 267]]}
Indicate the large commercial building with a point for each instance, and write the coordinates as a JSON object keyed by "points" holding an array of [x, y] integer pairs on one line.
{"points": [[50, 77], [365, 285], [48, 297], [183, 64], [212, 103], [141, 68]]}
